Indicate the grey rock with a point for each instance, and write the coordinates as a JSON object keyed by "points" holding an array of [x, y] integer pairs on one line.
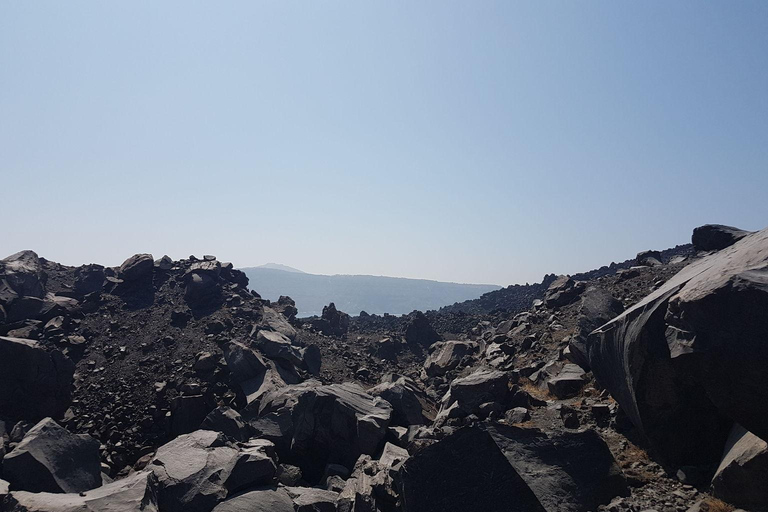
{"points": [[134, 493], [321, 424], [275, 346], [714, 237], [51, 459], [568, 382], [263, 500], [571, 472], [465, 471], [227, 421], [466, 394], [24, 274], [743, 472], [310, 499], [446, 356], [690, 357], [410, 404], [137, 267], [517, 415], [275, 322], [198, 470], [34, 383]]}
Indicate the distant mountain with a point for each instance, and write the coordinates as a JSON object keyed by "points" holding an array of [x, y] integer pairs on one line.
{"points": [[352, 294], [278, 266]]}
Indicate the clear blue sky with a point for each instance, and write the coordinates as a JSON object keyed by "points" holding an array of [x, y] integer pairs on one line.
{"points": [[464, 141]]}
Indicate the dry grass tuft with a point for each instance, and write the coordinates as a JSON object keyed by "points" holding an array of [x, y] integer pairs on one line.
{"points": [[536, 392], [715, 505]]}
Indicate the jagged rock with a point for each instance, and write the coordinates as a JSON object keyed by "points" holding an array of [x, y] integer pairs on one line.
{"points": [[309, 499], [205, 362], [50, 459], [410, 404], [466, 394], [136, 492], [263, 500], [372, 485], [255, 375], [311, 359], [562, 292], [34, 383], [387, 348], [597, 307], [187, 413], [277, 346], [568, 382], [571, 472], [165, 263], [517, 415], [5, 488], [198, 470], [137, 267], [649, 258], [287, 307], [288, 475], [743, 472], [24, 274], [227, 421], [89, 279], [713, 237], [201, 288], [276, 322], [693, 352], [321, 424], [419, 330], [465, 471], [446, 356], [332, 321]]}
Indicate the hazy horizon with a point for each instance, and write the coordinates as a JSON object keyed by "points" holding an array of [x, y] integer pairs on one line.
{"points": [[489, 142]]}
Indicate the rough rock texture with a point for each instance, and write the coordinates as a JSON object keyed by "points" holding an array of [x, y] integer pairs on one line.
{"points": [[135, 493], [567, 472], [467, 394], [196, 471], [465, 472], [742, 475], [50, 459], [332, 321], [419, 330], [34, 383], [309, 499], [326, 424], [713, 237], [446, 356], [263, 500], [693, 352], [410, 404], [227, 421]]}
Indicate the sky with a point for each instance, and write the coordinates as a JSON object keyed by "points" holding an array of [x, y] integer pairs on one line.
{"points": [[487, 142]]}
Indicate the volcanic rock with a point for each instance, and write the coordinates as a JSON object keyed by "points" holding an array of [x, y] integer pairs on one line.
{"points": [[227, 421], [693, 352], [136, 492], [410, 404], [33, 383], [50, 459], [446, 356], [263, 500], [419, 330], [741, 477], [465, 471], [713, 237], [326, 424]]}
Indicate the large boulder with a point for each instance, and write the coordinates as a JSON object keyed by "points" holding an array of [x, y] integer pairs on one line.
{"points": [[570, 472], [137, 267], [261, 500], [198, 470], [372, 485], [134, 493], [277, 346], [275, 321], [332, 321], [562, 291], [321, 424], [713, 237], [51, 459], [24, 274], [465, 471], [310, 499], [692, 353], [227, 421], [568, 382], [446, 356], [410, 404], [466, 394], [419, 330], [255, 374], [34, 384], [743, 472]]}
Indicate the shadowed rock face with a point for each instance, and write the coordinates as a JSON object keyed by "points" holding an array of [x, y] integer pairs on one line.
{"points": [[50, 459], [465, 471], [692, 355], [33, 383], [713, 237]]}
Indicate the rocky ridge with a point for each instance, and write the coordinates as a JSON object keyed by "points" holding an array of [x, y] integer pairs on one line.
{"points": [[169, 385]]}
